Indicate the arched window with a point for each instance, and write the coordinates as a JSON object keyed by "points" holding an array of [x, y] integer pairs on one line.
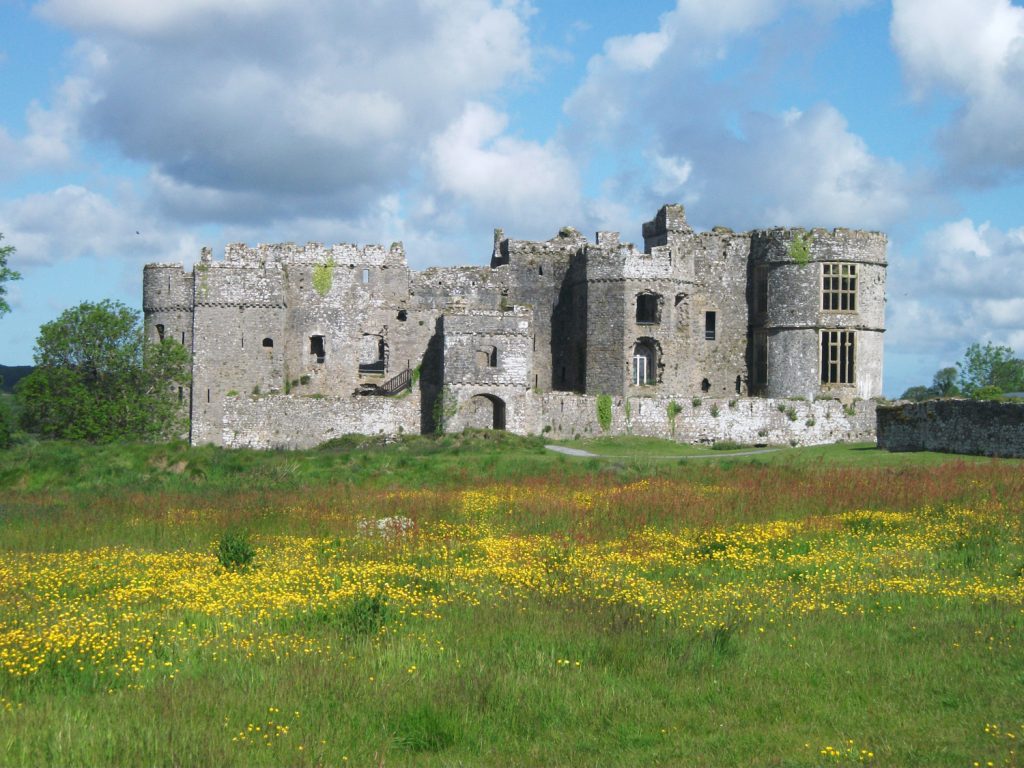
{"points": [[268, 342]]}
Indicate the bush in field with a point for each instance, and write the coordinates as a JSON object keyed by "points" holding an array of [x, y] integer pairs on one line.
{"points": [[235, 551]]}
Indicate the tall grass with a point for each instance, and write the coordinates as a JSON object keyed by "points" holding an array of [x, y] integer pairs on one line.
{"points": [[539, 611]]}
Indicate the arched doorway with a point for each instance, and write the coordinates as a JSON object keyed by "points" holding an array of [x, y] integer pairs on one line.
{"points": [[486, 412]]}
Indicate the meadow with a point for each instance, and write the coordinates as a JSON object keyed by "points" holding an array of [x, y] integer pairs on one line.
{"points": [[477, 600]]}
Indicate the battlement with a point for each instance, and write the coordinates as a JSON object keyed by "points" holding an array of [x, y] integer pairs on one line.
{"points": [[311, 254], [840, 244]]}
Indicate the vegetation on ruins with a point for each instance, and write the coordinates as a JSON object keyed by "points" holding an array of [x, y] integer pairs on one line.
{"points": [[97, 378], [604, 411], [475, 599]]}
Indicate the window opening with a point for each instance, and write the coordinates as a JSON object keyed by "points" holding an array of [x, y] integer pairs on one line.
{"points": [[759, 364], [643, 364], [403, 315], [839, 287], [243, 341], [316, 347], [181, 394], [160, 331], [709, 325], [182, 337], [268, 342], [647, 309], [540, 270], [761, 289], [837, 357], [373, 353], [705, 386], [739, 385], [365, 277], [487, 357], [207, 395]]}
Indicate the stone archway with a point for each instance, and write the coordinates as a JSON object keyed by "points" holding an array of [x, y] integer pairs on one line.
{"points": [[486, 412]]}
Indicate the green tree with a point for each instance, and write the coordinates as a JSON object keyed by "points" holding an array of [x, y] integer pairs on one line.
{"points": [[918, 393], [96, 377], [6, 274], [944, 382], [990, 366]]}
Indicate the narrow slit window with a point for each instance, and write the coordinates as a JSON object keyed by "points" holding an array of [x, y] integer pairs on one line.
{"points": [[839, 287], [761, 289], [837, 357], [365, 276], [710, 323]]}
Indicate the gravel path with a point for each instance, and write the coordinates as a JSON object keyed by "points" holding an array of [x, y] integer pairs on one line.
{"points": [[719, 455]]}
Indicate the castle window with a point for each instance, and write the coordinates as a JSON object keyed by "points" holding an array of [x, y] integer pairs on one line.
{"points": [[759, 359], [644, 364], [268, 342], [182, 337], [365, 276], [710, 321], [316, 347], [839, 287], [487, 357], [160, 331], [705, 386], [372, 354], [837, 356], [403, 315], [647, 309], [761, 289]]}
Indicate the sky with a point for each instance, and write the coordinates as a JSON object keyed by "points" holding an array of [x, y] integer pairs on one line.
{"points": [[133, 132]]}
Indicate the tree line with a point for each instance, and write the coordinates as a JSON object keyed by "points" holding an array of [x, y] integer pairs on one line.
{"points": [[985, 373]]}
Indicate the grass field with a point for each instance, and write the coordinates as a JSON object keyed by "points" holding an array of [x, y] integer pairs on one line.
{"points": [[831, 606]]}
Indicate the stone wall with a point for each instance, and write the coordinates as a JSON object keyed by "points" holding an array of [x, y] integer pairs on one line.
{"points": [[953, 426], [746, 420], [294, 421]]}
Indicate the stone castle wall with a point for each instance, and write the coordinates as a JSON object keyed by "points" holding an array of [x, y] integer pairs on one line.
{"points": [[953, 426], [324, 329]]}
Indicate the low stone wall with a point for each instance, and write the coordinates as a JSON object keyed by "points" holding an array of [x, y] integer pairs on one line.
{"points": [[750, 420], [292, 421], [953, 426]]}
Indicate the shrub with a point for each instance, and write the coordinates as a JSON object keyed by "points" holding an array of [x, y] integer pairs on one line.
{"points": [[714, 410], [235, 551], [604, 411], [695, 402], [791, 414]]}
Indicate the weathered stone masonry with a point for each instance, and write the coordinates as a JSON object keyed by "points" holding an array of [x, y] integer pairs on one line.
{"points": [[774, 330], [954, 426]]}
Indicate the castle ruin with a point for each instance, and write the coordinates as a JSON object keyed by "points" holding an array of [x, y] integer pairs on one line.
{"points": [[767, 336]]}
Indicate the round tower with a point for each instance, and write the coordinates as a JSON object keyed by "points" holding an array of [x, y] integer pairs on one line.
{"points": [[167, 303], [818, 313]]}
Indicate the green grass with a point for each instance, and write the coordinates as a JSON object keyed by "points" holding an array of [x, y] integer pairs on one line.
{"points": [[815, 597]]}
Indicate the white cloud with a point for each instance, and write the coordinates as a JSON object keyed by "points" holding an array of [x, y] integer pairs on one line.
{"points": [[519, 182], [974, 50], [278, 107], [74, 222], [52, 134], [966, 286], [706, 145]]}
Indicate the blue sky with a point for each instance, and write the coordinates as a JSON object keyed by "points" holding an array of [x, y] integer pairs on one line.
{"points": [[140, 131]]}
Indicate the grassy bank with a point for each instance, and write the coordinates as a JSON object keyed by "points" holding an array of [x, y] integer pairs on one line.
{"points": [[816, 607]]}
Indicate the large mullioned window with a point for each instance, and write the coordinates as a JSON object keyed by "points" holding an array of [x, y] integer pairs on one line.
{"points": [[839, 287], [837, 357]]}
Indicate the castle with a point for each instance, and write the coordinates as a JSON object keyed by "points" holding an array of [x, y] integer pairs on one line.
{"points": [[767, 336]]}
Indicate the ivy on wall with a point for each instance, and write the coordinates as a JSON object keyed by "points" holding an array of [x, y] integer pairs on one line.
{"points": [[323, 276]]}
